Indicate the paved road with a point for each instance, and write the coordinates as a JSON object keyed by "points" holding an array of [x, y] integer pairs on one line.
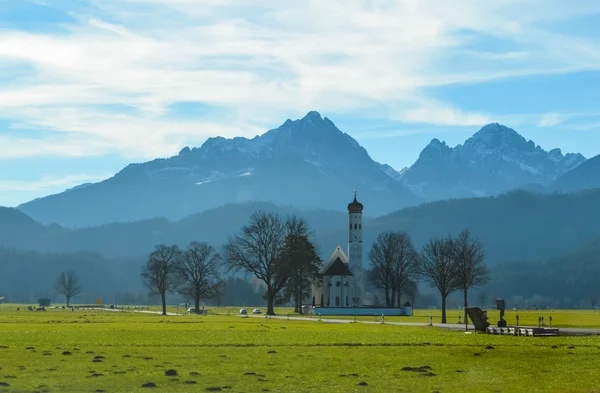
{"points": [[141, 311], [450, 326]]}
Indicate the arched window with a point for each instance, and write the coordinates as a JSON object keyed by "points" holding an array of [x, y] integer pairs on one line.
{"points": [[359, 226], [351, 226], [355, 226], [337, 300]]}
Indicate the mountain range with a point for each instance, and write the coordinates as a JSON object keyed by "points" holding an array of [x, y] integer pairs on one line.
{"points": [[494, 160], [310, 163], [305, 163]]}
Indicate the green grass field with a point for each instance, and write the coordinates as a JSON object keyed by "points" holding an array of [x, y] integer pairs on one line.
{"points": [[93, 351]]}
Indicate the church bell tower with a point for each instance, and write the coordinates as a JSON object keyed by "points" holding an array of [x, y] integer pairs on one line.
{"points": [[355, 244]]}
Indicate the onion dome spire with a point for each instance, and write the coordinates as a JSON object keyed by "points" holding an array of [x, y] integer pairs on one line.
{"points": [[355, 206]]}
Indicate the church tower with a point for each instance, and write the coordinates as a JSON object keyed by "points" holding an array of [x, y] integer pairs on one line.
{"points": [[355, 244]]}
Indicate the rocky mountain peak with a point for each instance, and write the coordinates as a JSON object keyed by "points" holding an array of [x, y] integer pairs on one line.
{"points": [[555, 155], [498, 136], [434, 148]]}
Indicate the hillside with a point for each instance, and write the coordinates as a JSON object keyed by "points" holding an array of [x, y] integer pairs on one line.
{"points": [[561, 281], [585, 176], [27, 275], [515, 226]]}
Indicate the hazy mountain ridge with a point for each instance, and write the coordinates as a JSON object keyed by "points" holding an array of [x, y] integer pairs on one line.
{"points": [[515, 226], [576, 273], [584, 176], [518, 226]]}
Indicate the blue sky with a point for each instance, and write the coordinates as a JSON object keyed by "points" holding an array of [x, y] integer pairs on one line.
{"points": [[88, 86]]}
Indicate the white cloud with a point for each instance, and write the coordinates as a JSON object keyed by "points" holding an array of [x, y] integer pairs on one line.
{"points": [[48, 183], [438, 113], [551, 119], [262, 59], [15, 192]]}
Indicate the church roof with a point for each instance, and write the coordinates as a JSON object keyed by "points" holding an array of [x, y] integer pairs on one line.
{"points": [[355, 206], [336, 264]]}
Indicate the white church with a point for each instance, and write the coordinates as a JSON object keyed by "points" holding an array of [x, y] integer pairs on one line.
{"points": [[340, 288]]}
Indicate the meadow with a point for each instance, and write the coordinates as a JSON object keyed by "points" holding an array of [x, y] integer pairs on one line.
{"points": [[101, 351]]}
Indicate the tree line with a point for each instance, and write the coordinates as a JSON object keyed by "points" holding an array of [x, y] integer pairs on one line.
{"points": [[447, 264], [193, 272], [281, 253]]}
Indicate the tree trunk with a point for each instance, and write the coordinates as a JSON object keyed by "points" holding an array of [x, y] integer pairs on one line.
{"points": [[296, 302], [197, 303], [270, 298], [399, 295], [163, 297], [466, 305], [387, 296], [68, 300], [443, 309], [299, 300]]}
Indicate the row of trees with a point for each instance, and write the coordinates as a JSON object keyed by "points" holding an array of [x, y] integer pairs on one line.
{"points": [[193, 272], [448, 264], [282, 254], [279, 252]]}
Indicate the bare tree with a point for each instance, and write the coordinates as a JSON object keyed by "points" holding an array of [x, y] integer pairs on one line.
{"points": [[411, 290], [406, 263], [469, 262], [302, 257], [68, 285], [198, 268], [160, 273], [259, 250], [483, 299], [394, 263], [437, 267], [381, 258]]}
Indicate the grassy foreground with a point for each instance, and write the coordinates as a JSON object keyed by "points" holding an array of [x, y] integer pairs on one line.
{"points": [[94, 351]]}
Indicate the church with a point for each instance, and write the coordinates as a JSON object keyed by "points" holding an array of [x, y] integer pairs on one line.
{"points": [[340, 287], [340, 278]]}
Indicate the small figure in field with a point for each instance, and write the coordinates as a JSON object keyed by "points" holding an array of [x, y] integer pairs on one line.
{"points": [[18, 308]]}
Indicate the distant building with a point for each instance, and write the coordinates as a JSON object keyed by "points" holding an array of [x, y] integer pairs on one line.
{"points": [[340, 282]]}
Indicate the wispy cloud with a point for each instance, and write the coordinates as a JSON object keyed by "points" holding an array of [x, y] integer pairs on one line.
{"points": [[259, 59], [48, 182], [551, 119]]}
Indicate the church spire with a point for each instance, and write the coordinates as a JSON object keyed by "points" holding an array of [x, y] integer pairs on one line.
{"points": [[355, 206]]}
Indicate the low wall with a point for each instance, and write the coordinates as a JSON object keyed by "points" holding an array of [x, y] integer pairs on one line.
{"points": [[371, 311]]}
